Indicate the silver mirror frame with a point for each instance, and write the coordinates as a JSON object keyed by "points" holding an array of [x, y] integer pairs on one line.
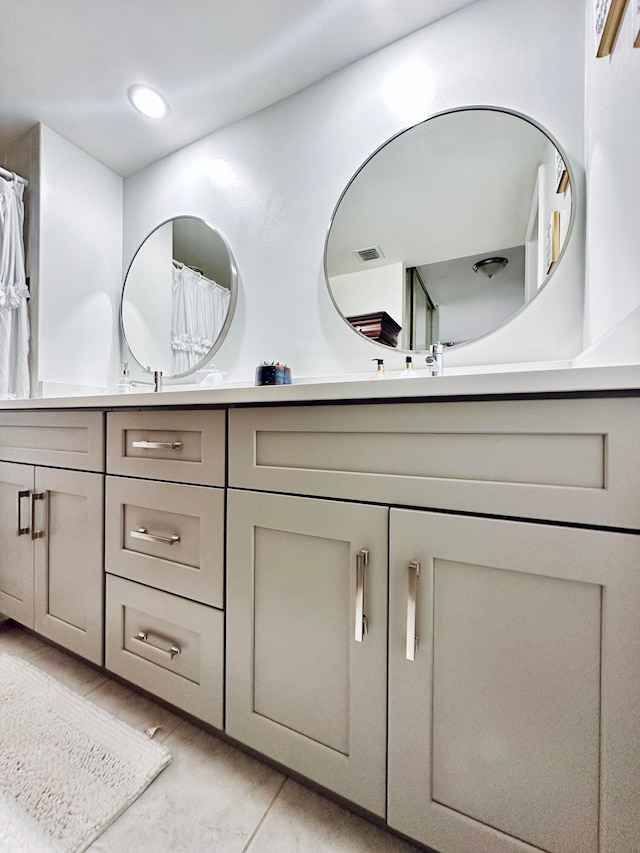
{"points": [[570, 227], [233, 274]]}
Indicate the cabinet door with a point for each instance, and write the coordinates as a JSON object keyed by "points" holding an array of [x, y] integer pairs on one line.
{"points": [[16, 547], [68, 559], [514, 728], [300, 688]]}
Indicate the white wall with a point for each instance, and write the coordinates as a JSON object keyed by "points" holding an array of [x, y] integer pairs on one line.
{"points": [[80, 251], [270, 182], [613, 196], [146, 310], [379, 288]]}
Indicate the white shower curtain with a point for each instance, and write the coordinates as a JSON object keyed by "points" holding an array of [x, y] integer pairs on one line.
{"points": [[198, 312], [14, 313]]}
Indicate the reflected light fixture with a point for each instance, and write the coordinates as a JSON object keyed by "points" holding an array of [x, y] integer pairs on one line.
{"points": [[148, 102], [490, 266]]}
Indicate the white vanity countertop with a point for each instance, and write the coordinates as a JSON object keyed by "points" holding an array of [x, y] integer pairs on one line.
{"points": [[562, 380]]}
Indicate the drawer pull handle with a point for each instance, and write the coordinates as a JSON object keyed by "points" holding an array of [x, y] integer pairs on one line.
{"points": [[362, 558], [141, 533], [36, 496], [172, 652], [158, 445], [412, 637], [22, 530]]}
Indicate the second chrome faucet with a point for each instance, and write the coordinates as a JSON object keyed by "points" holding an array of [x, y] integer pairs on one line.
{"points": [[434, 359]]}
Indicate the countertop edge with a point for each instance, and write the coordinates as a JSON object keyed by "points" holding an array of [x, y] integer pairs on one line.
{"points": [[574, 380]]}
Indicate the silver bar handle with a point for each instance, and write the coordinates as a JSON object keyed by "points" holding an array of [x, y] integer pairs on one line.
{"points": [[22, 530], [36, 496], [172, 651], [141, 533], [412, 637], [158, 445], [362, 558]]}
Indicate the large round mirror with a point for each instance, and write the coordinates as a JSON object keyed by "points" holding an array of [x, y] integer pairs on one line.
{"points": [[449, 229], [178, 296]]}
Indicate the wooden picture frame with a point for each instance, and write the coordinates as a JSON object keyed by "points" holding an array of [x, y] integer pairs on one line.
{"points": [[562, 175], [607, 15], [552, 241], [636, 22]]}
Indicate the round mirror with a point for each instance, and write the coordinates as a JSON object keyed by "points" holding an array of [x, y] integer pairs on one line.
{"points": [[449, 229], [178, 296]]}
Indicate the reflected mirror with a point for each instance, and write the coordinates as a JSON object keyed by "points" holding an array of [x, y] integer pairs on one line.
{"points": [[449, 229], [178, 296]]}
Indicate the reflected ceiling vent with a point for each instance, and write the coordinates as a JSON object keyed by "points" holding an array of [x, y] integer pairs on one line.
{"points": [[370, 254]]}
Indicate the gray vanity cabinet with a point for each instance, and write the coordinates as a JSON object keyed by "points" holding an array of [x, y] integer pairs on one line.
{"points": [[69, 561], [513, 693], [164, 556], [51, 526], [306, 677], [16, 546], [51, 554], [511, 716], [430, 608]]}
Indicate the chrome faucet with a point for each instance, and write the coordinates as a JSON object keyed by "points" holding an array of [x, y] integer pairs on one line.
{"points": [[157, 380], [434, 359]]}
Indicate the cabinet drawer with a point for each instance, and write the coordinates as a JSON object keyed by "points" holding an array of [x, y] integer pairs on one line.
{"points": [[167, 645], [574, 460], [167, 535], [185, 447], [58, 439]]}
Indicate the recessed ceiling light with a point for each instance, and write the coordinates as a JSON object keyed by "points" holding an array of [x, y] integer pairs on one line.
{"points": [[149, 102]]}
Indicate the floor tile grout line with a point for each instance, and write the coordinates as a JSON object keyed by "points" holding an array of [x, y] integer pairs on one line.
{"points": [[98, 686], [264, 816]]}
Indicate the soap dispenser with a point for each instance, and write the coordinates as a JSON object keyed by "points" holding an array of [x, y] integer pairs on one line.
{"points": [[124, 380], [408, 372], [379, 371]]}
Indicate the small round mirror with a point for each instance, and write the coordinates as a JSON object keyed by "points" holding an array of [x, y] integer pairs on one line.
{"points": [[178, 296], [449, 229]]}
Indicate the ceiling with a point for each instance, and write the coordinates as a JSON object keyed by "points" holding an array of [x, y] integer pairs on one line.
{"points": [[456, 185], [70, 63]]}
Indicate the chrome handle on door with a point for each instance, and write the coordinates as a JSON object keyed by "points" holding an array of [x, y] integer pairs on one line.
{"points": [[172, 651], [362, 558], [412, 637], [141, 533], [158, 445], [36, 496], [22, 530]]}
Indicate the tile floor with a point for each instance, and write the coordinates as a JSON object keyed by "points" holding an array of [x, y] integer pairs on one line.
{"points": [[211, 797]]}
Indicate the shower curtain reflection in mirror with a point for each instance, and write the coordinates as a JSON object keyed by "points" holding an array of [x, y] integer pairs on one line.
{"points": [[178, 296], [14, 313], [198, 311]]}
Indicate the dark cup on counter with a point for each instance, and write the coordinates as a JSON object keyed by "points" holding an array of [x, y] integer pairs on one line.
{"points": [[273, 374]]}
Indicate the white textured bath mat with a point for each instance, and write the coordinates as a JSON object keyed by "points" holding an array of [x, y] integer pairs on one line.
{"points": [[68, 769]]}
